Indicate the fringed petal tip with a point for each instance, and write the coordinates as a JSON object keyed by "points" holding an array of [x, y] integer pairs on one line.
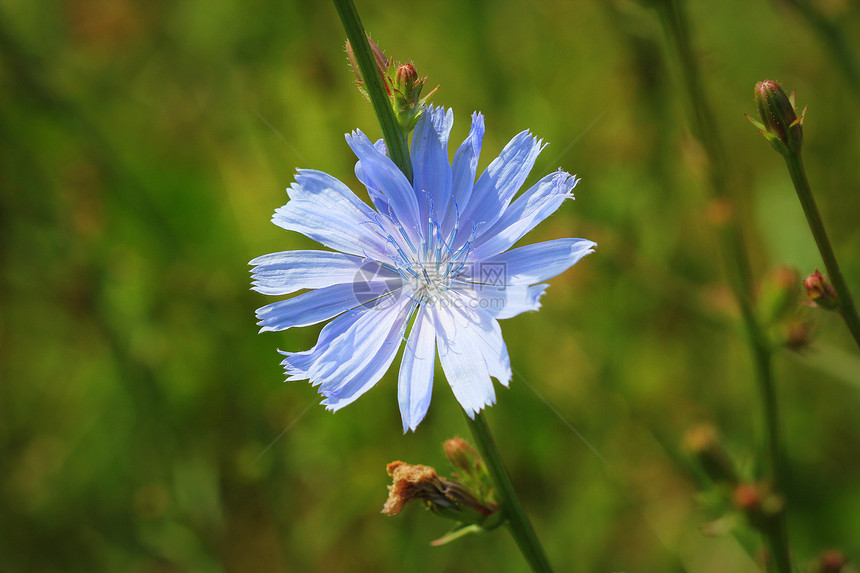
{"points": [[535, 293], [472, 411]]}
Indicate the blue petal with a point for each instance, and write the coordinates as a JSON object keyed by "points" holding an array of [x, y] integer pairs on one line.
{"points": [[523, 215], [356, 361], [519, 299], [327, 211], [297, 365], [430, 166], [500, 302], [415, 382], [464, 168], [379, 172], [355, 347], [500, 182], [496, 351], [542, 261], [376, 197], [291, 271], [461, 347], [312, 307]]}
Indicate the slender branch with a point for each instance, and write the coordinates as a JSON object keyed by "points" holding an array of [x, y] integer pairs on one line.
{"points": [[395, 138], [518, 522], [847, 309], [736, 260]]}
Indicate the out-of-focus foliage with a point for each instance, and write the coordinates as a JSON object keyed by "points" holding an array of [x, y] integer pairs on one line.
{"points": [[143, 423]]}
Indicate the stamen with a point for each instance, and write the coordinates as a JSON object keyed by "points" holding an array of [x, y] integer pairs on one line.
{"points": [[400, 228]]}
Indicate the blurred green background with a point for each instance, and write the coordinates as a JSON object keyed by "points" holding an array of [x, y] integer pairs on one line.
{"points": [[144, 426]]}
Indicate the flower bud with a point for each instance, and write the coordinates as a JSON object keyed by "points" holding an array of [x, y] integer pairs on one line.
{"points": [[463, 456], [702, 442], [382, 64], [401, 82], [831, 561], [820, 291], [405, 77], [406, 97], [747, 497], [759, 503], [780, 122]]}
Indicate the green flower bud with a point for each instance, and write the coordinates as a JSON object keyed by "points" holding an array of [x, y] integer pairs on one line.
{"points": [[759, 503], [780, 123], [401, 82], [463, 457], [703, 444]]}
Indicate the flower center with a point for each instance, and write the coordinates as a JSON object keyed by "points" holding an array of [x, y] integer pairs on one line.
{"points": [[429, 265], [429, 282]]}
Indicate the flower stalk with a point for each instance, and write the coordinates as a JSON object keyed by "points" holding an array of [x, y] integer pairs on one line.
{"points": [[783, 128], [518, 522], [736, 261], [845, 302], [394, 136]]}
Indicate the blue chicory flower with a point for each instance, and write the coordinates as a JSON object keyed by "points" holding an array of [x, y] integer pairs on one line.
{"points": [[431, 257]]}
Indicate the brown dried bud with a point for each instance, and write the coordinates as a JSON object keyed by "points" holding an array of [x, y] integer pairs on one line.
{"points": [[411, 482], [445, 497]]}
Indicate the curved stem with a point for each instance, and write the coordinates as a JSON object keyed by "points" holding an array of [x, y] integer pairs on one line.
{"points": [[395, 138], [520, 526], [801, 184]]}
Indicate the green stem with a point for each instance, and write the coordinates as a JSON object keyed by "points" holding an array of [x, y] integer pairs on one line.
{"points": [[801, 184], [736, 261], [395, 138], [518, 522]]}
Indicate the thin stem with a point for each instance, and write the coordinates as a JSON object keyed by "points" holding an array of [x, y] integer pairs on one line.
{"points": [[801, 184], [518, 522], [736, 261], [395, 138]]}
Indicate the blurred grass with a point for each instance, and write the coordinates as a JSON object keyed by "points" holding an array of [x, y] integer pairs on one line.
{"points": [[138, 175]]}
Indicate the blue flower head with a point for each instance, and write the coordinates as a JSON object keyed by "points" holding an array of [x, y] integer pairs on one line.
{"points": [[429, 264]]}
